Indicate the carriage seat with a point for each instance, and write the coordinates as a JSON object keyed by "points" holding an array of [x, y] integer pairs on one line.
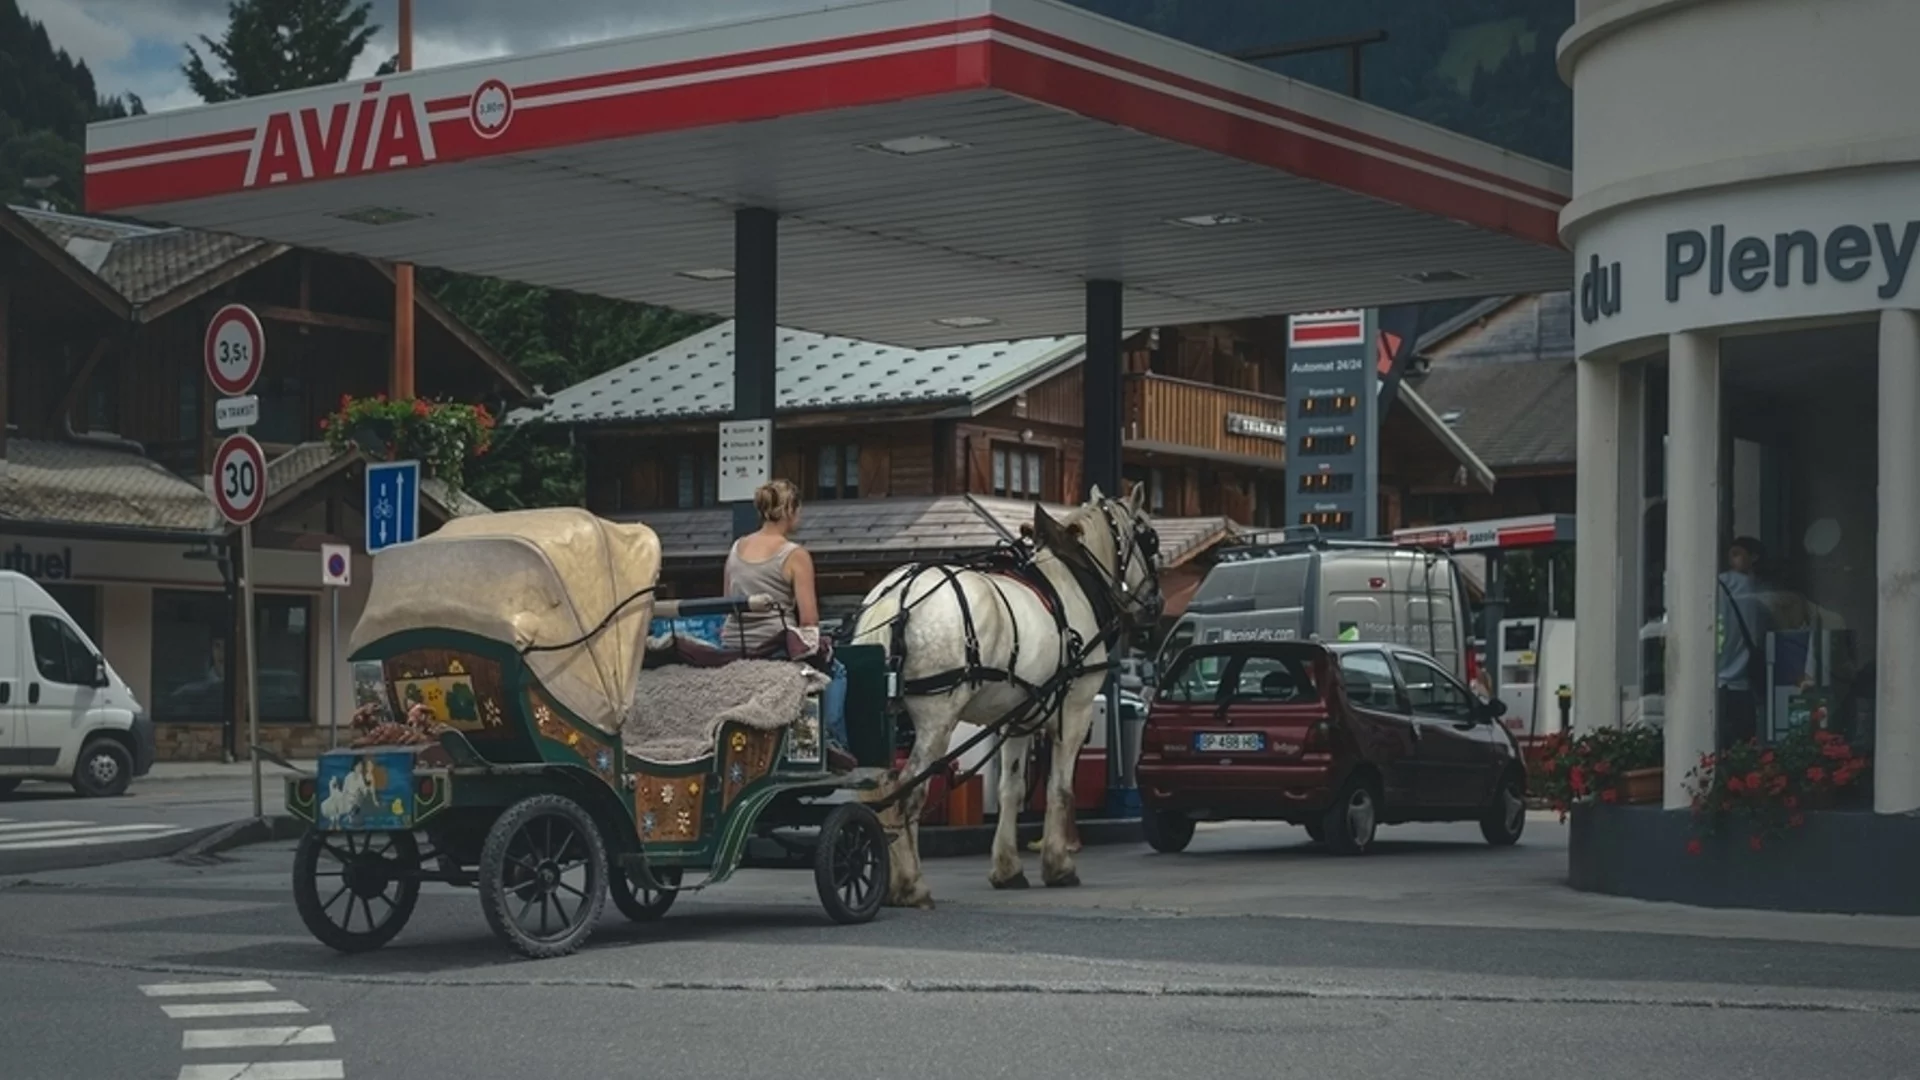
{"points": [[678, 709]]}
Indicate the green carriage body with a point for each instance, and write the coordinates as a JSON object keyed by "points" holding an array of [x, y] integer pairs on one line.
{"points": [[506, 739]]}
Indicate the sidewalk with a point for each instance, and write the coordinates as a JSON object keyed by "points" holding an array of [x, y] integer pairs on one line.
{"points": [[170, 771]]}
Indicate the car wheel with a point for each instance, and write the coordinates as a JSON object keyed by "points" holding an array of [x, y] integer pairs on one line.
{"points": [[1351, 821], [1506, 816], [1167, 832], [104, 770], [1316, 832]]}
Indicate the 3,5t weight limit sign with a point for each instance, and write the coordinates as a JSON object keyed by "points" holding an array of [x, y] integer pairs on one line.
{"points": [[239, 479], [235, 348]]}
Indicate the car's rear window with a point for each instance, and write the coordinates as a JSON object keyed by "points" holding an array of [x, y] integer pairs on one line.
{"points": [[1204, 675]]}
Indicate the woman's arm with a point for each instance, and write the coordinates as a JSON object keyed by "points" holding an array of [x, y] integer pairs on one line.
{"points": [[800, 572]]}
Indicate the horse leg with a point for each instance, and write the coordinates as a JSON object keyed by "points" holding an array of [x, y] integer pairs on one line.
{"points": [[1007, 871], [933, 721], [1056, 859]]}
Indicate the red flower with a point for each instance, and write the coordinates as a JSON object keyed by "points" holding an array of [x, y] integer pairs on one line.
{"points": [[1602, 768], [1755, 842], [1609, 795], [1753, 781], [1766, 758], [1842, 777], [420, 408], [1734, 784], [1816, 774], [1796, 821], [325, 423], [1578, 779], [1693, 847], [346, 400]]}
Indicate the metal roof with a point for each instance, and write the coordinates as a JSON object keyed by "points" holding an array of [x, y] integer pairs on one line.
{"points": [[935, 163], [693, 378]]}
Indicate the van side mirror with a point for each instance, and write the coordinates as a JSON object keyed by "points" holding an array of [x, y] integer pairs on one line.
{"points": [[100, 672]]}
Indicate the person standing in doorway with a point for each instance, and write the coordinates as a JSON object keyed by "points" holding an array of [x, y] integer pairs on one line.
{"points": [[1740, 630]]}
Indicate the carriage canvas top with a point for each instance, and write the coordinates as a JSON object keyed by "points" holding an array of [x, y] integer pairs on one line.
{"points": [[570, 590]]}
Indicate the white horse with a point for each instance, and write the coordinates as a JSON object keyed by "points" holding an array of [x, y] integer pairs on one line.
{"points": [[1098, 565]]}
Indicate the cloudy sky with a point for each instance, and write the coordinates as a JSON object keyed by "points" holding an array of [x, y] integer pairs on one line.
{"points": [[137, 45]]}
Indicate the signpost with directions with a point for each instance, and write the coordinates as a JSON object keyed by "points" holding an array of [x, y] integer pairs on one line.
{"points": [[234, 350], [393, 504]]}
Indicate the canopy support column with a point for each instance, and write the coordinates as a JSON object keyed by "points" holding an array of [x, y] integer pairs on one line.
{"points": [[1102, 407], [756, 310]]}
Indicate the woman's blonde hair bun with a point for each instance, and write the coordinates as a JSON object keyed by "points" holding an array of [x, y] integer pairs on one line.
{"points": [[776, 500]]}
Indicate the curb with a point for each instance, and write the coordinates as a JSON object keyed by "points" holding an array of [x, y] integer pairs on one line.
{"points": [[80, 858], [960, 841], [242, 833]]}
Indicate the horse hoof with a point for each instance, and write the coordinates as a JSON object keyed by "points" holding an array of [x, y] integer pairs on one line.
{"points": [[1017, 881], [1065, 881]]}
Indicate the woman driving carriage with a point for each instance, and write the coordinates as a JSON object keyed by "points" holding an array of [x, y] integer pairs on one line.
{"points": [[770, 562]]}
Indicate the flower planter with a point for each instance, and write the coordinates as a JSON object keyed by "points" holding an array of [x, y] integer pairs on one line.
{"points": [[1643, 785]]}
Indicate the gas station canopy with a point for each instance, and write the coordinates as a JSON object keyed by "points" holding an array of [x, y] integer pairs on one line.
{"points": [[945, 171]]}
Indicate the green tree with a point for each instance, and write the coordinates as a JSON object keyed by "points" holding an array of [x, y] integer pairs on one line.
{"points": [[273, 45], [47, 98]]}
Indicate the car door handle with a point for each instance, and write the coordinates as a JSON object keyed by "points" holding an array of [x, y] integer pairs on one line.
{"points": [[33, 693], [6, 692]]}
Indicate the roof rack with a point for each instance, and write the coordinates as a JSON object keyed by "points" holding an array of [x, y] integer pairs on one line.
{"points": [[1270, 543]]}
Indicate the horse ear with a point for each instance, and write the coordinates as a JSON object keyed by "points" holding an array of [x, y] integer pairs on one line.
{"points": [[1049, 530], [1094, 495], [1138, 500]]}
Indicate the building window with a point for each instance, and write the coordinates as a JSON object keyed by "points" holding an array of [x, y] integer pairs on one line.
{"points": [[191, 656], [82, 605], [1018, 473], [837, 475], [696, 481]]}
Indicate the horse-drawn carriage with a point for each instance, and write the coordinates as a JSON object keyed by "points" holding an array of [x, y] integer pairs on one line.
{"points": [[545, 749]]}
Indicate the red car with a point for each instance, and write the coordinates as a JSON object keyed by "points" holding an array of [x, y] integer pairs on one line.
{"points": [[1338, 738]]}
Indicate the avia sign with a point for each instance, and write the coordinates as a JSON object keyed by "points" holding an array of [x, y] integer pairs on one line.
{"points": [[370, 133]]}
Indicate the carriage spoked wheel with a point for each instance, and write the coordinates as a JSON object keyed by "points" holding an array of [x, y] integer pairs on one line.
{"points": [[642, 904], [356, 890], [851, 865], [543, 876]]}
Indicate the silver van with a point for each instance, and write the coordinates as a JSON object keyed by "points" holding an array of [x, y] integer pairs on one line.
{"points": [[1332, 590]]}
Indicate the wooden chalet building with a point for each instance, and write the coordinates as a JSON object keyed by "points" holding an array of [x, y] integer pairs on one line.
{"points": [[108, 434], [907, 454]]}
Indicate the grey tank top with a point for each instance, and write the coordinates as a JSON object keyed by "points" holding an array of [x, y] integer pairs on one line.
{"points": [[767, 577]]}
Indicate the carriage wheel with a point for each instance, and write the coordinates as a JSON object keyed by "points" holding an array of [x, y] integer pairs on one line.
{"points": [[850, 867], [356, 890], [642, 904], [543, 876]]}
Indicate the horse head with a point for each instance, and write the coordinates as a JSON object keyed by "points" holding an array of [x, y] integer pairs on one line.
{"points": [[1119, 541]]}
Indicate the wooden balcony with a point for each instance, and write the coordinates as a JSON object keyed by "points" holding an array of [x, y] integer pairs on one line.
{"points": [[1174, 416]]}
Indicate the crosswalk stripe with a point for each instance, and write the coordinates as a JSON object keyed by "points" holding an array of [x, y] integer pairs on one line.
{"points": [[30, 826], [90, 839], [232, 1008], [230, 1038], [267, 1070], [205, 989], [51, 831]]}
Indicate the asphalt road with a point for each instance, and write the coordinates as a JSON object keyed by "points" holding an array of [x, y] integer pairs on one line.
{"points": [[1254, 954]]}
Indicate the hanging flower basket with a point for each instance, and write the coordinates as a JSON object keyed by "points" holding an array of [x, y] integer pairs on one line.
{"points": [[442, 436], [1604, 765]]}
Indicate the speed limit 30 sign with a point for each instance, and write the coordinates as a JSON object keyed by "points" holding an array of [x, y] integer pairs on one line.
{"points": [[239, 479], [236, 346]]}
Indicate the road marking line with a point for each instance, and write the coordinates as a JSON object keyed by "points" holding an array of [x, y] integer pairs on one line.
{"points": [[267, 1070], [188, 989], [45, 831], [89, 839], [232, 1008], [229, 1038], [29, 826]]}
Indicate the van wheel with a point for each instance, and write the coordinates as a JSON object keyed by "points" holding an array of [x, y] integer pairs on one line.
{"points": [[104, 771], [1506, 816], [1167, 832], [1353, 818]]}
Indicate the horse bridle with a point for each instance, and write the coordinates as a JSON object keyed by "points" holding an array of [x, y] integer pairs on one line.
{"points": [[1140, 542]]}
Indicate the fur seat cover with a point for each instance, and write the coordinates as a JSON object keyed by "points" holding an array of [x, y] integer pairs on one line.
{"points": [[678, 708]]}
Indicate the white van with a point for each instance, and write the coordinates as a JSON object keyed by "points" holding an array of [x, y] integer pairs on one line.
{"points": [[65, 714], [1332, 591]]}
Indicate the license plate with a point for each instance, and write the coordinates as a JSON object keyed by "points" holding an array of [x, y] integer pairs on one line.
{"points": [[1229, 741]]}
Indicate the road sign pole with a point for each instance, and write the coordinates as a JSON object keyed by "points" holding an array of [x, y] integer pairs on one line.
{"points": [[333, 673], [253, 663]]}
